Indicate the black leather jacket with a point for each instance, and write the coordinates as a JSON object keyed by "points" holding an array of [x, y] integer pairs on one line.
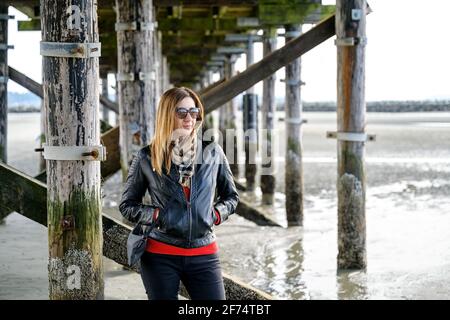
{"points": [[186, 224]]}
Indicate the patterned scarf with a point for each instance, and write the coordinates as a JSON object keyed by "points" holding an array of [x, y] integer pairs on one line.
{"points": [[183, 154]]}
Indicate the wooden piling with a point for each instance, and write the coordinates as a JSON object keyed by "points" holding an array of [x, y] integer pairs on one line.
{"points": [[250, 125], [223, 113], [3, 84], [267, 180], [293, 176], [43, 123], [351, 109], [208, 123], [105, 111], [230, 138], [71, 97], [136, 77]]}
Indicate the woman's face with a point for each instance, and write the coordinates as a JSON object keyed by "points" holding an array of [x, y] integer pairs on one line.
{"points": [[187, 123]]}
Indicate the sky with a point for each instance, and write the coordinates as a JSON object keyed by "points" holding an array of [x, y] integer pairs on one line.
{"points": [[407, 54]]}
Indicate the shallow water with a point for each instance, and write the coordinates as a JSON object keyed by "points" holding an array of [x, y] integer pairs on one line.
{"points": [[407, 210]]}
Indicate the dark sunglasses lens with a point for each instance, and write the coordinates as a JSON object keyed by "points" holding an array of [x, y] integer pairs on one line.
{"points": [[195, 113], [182, 113]]}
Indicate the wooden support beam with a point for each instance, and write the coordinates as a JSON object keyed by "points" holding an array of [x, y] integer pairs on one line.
{"points": [[29, 25], [25, 82], [269, 65], [27, 196], [71, 98], [351, 111], [211, 86]]}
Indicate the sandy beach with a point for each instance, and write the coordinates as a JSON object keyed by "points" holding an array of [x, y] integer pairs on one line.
{"points": [[407, 210]]}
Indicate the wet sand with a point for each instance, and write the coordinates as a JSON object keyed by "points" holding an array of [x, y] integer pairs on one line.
{"points": [[407, 209]]}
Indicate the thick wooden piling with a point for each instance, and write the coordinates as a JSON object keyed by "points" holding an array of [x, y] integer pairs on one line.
{"points": [[293, 176], [230, 138], [223, 118], [136, 77], [250, 126], [105, 111], [3, 81], [71, 97], [43, 123], [351, 109], [267, 180], [208, 123]]}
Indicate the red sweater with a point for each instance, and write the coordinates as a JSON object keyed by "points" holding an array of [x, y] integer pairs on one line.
{"points": [[155, 246]]}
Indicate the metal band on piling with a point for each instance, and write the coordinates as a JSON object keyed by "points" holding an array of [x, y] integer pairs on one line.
{"points": [[293, 82], [135, 26], [3, 79], [352, 41], [292, 34], [296, 120], [71, 50], [5, 16], [86, 153], [351, 136], [124, 76], [4, 46]]}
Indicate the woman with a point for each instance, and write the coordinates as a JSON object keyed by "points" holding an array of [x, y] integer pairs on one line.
{"points": [[182, 174]]}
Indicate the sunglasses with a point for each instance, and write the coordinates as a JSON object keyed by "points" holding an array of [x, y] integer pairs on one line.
{"points": [[183, 112]]}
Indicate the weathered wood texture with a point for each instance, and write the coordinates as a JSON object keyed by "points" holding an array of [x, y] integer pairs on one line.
{"points": [[270, 64], [27, 196], [71, 92], [267, 180], [136, 97], [351, 110], [293, 178], [36, 88], [3, 84]]}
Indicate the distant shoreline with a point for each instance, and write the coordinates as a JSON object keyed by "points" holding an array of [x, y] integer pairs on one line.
{"points": [[372, 106]]}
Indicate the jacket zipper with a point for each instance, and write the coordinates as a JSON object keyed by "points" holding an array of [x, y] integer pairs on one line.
{"points": [[189, 207]]}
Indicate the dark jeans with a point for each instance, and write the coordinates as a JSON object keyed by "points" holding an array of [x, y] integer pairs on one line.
{"points": [[201, 275]]}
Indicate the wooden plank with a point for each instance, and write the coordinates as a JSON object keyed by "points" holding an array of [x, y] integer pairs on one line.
{"points": [[269, 65], [110, 139], [25, 82], [29, 25], [27, 196], [21, 193]]}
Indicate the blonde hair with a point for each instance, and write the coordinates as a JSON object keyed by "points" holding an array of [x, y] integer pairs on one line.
{"points": [[160, 146]]}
